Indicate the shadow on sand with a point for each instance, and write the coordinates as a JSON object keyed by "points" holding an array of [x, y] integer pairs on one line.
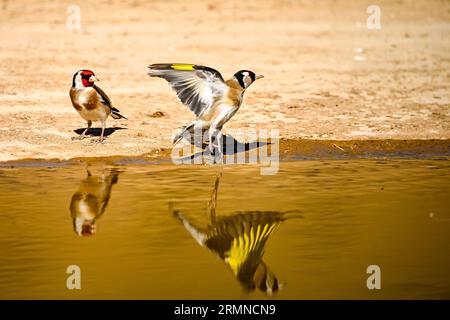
{"points": [[96, 132], [230, 146]]}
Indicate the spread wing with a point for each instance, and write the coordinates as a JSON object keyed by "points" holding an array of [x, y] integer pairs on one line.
{"points": [[240, 239], [106, 101], [197, 87]]}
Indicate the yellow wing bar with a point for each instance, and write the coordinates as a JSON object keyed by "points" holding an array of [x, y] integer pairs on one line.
{"points": [[178, 66]]}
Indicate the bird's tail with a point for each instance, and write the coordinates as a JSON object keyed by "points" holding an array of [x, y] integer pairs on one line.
{"points": [[180, 135], [115, 113]]}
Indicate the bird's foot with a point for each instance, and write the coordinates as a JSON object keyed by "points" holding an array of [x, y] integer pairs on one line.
{"points": [[213, 157], [82, 137], [99, 140], [218, 158], [209, 160], [208, 157]]}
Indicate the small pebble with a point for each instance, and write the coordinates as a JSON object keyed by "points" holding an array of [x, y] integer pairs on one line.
{"points": [[157, 114]]}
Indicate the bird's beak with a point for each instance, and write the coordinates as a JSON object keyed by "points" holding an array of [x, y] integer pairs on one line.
{"points": [[259, 76], [93, 79]]}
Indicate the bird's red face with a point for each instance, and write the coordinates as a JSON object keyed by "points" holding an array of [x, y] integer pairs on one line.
{"points": [[88, 229], [88, 78]]}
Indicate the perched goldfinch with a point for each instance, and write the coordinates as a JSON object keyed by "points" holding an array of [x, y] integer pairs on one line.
{"points": [[212, 99], [239, 240], [90, 200], [90, 101]]}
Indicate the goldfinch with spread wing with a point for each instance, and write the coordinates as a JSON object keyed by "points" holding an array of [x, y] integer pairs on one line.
{"points": [[90, 101], [213, 100]]}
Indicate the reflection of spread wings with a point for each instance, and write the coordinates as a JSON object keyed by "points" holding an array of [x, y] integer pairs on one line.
{"points": [[197, 87], [240, 239]]}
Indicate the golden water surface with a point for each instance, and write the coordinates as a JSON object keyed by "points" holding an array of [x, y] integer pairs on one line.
{"points": [[196, 232]]}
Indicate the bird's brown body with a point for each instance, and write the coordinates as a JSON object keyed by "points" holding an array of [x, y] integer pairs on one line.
{"points": [[88, 104], [235, 92], [224, 108]]}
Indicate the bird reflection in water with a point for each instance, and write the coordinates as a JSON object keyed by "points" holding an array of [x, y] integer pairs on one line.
{"points": [[90, 201], [239, 240]]}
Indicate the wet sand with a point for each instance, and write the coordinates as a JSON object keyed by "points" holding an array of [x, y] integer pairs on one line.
{"points": [[328, 78], [288, 150]]}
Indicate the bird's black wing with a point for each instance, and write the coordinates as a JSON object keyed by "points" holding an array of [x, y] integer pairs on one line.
{"points": [[115, 113]]}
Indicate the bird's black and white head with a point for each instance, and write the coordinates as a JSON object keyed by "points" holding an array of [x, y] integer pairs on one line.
{"points": [[246, 77], [84, 79], [260, 277]]}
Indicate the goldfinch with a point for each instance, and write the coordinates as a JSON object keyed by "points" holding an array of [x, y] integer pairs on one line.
{"points": [[90, 101], [90, 200], [213, 100], [239, 240]]}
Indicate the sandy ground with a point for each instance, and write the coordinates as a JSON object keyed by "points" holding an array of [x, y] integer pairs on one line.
{"points": [[327, 76]]}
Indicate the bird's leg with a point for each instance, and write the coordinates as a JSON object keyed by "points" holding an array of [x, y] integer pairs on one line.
{"points": [[212, 135], [89, 124], [103, 132], [219, 154], [83, 135], [213, 201], [211, 150], [215, 144]]}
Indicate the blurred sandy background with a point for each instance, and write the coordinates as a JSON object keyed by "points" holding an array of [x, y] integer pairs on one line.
{"points": [[327, 75]]}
